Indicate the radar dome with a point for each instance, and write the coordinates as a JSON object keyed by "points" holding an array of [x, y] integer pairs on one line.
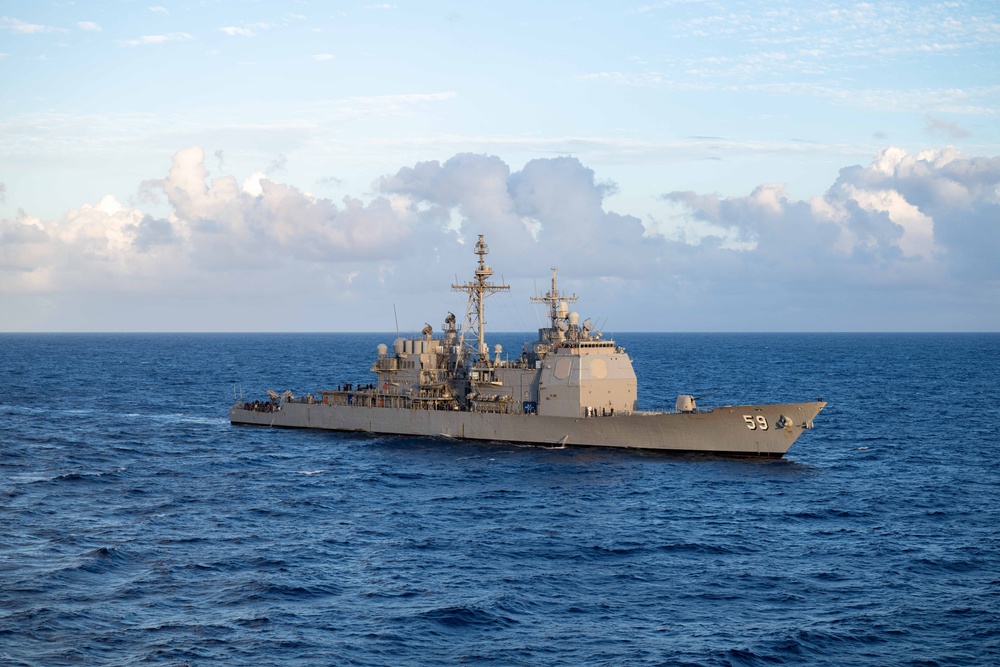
{"points": [[574, 318]]}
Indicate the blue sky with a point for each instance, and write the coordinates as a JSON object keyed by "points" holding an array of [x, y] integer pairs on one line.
{"points": [[688, 165]]}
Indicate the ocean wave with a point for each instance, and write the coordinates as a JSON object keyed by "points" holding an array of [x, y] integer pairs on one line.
{"points": [[178, 418], [139, 528], [103, 559], [705, 549], [461, 617], [75, 476]]}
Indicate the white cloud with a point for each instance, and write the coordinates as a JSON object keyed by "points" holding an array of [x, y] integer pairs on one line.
{"points": [[910, 218], [88, 26], [916, 230], [91, 247], [19, 27], [233, 31], [247, 30], [266, 230], [159, 10], [322, 56], [252, 185], [927, 224], [840, 53], [158, 39]]}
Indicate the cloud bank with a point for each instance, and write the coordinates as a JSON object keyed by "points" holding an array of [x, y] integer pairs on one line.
{"points": [[909, 241]]}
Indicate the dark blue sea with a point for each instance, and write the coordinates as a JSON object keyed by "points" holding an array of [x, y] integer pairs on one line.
{"points": [[138, 527]]}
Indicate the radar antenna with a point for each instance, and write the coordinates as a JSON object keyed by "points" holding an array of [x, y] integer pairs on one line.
{"points": [[552, 298], [478, 290]]}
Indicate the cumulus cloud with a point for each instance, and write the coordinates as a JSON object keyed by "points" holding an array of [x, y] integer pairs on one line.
{"points": [[90, 247], [904, 219], [272, 223], [924, 224], [214, 226], [550, 204]]}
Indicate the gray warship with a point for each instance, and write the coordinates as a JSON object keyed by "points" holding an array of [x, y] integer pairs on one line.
{"points": [[568, 387]]}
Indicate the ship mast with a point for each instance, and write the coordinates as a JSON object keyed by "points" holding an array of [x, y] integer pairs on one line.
{"points": [[553, 299], [478, 290]]}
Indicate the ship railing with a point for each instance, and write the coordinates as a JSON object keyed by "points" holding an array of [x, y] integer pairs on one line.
{"points": [[603, 344], [375, 398], [496, 407], [605, 411], [259, 406]]}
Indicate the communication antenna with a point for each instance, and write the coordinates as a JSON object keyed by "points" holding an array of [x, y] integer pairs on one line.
{"points": [[396, 317], [478, 289], [553, 298]]}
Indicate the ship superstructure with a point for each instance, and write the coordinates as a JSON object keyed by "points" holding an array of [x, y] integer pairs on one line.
{"points": [[569, 386]]}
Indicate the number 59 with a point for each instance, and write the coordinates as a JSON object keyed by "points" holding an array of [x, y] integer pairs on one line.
{"points": [[753, 424]]}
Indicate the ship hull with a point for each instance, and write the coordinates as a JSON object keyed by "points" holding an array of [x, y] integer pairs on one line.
{"points": [[747, 430]]}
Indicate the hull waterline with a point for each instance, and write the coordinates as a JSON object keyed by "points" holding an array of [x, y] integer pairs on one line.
{"points": [[724, 430]]}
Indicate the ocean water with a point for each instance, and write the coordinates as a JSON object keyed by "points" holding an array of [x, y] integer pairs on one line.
{"points": [[138, 527]]}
